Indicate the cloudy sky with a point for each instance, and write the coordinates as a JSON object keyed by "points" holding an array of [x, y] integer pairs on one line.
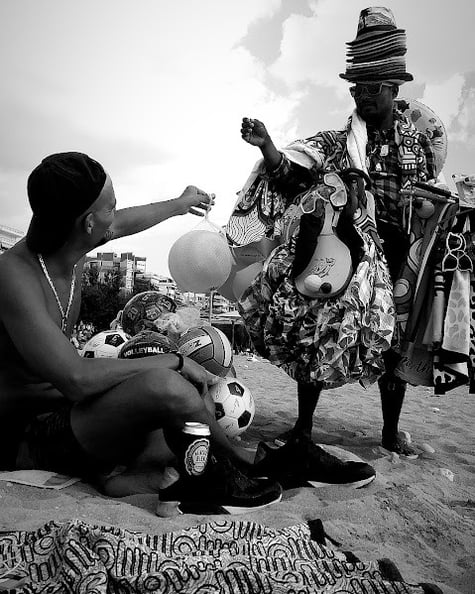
{"points": [[155, 90]]}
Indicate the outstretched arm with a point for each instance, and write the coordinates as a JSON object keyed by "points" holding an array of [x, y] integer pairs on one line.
{"points": [[135, 219], [49, 355], [289, 178], [255, 133]]}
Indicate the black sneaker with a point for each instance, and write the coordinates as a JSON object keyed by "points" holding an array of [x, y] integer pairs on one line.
{"points": [[223, 488], [301, 463]]}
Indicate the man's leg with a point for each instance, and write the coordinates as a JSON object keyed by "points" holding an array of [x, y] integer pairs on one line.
{"points": [[114, 426]]}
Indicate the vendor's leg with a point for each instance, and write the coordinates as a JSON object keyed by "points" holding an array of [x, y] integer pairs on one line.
{"points": [[393, 390], [307, 399], [308, 396]]}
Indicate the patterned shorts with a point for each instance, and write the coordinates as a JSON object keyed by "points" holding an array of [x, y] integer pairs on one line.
{"points": [[52, 446], [332, 341]]}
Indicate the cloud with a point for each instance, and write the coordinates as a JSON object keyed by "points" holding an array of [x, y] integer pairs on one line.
{"points": [[444, 98], [439, 35], [311, 50], [463, 124], [33, 134], [156, 91]]}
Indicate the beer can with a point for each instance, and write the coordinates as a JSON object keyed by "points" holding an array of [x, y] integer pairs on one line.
{"points": [[194, 450]]}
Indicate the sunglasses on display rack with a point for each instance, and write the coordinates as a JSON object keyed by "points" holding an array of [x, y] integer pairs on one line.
{"points": [[370, 89], [456, 257], [337, 196]]}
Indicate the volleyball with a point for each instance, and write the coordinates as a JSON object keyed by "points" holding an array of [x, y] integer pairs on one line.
{"points": [[105, 345], [146, 344], [142, 311], [234, 405], [209, 347], [200, 261]]}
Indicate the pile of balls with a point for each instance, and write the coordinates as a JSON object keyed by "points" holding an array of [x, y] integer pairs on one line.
{"points": [[205, 344]]}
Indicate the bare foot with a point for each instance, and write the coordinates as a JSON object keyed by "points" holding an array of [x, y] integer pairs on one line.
{"points": [[139, 483], [401, 447]]}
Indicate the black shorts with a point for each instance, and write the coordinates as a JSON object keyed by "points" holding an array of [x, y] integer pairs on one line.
{"points": [[51, 445]]}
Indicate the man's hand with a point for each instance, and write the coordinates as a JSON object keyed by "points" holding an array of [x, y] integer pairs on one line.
{"points": [[254, 132], [198, 375], [195, 201]]}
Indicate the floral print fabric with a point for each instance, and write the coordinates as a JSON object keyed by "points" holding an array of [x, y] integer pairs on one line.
{"points": [[330, 340]]}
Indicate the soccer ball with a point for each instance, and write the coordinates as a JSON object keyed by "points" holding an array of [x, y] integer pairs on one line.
{"points": [[104, 344], [234, 405], [141, 311], [209, 347], [145, 344]]}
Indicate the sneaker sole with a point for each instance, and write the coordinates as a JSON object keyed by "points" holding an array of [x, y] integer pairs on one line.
{"points": [[356, 484], [191, 507], [294, 484]]}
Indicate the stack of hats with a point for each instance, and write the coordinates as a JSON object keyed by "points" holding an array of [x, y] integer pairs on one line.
{"points": [[377, 53]]}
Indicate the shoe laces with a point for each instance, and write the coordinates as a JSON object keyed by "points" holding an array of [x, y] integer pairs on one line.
{"points": [[306, 450], [229, 475]]}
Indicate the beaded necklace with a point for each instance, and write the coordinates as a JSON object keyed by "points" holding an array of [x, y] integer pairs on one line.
{"points": [[64, 314]]}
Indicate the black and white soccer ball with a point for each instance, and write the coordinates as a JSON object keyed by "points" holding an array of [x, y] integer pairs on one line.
{"points": [[105, 344], [234, 405]]}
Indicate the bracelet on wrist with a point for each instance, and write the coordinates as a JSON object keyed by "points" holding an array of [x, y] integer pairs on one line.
{"points": [[278, 166], [181, 362], [281, 169]]}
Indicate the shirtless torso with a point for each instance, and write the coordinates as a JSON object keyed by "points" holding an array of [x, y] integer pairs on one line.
{"points": [[24, 393]]}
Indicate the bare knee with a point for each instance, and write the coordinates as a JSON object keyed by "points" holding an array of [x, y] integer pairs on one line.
{"points": [[171, 392]]}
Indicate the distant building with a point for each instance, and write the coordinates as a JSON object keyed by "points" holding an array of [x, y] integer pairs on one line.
{"points": [[8, 237], [127, 264], [150, 281], [220, 304], [133, 274]]}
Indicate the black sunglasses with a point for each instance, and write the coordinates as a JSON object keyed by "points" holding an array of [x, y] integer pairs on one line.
{"points": [[371, 89]]}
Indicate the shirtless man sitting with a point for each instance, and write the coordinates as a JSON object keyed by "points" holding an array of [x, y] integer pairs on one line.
{"points": [[80, 416]]}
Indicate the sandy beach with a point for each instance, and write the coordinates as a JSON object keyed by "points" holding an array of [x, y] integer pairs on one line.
{"points": [[419, 513]]}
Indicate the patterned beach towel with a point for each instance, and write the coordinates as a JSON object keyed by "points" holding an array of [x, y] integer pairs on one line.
{"points": [[216, 557]]}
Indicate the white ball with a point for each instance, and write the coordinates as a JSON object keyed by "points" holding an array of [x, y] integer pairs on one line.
{"points": [[200, 261], [234, 405], [105, 345]]}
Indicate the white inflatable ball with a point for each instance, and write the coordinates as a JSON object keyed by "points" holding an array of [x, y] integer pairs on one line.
{"points": [[200, 261]]}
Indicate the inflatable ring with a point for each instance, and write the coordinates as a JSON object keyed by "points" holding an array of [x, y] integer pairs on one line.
{"points": [[426, 121]]}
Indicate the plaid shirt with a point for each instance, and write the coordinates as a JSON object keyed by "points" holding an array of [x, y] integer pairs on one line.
{"points": [[384, 171]]}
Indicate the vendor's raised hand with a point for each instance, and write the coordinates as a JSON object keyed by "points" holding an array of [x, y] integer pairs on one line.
{"points": [[195, 201], [254, 132]]}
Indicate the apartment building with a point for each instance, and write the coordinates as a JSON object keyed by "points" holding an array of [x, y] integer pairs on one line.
{"points": [[8, 237], [127, 264]]}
